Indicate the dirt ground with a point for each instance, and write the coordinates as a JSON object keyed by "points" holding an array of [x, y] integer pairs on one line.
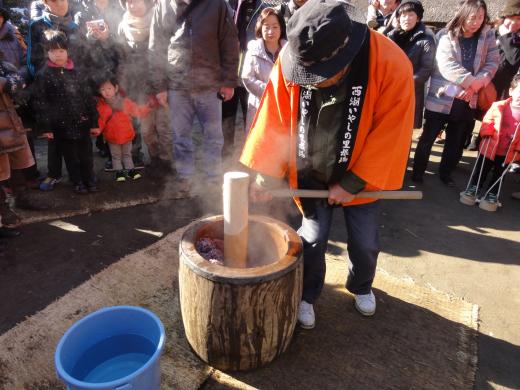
{"points": [[460, 250]]}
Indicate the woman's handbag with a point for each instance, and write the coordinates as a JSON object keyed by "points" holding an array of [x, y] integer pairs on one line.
{"points": [[486, 97], [12, 131]]}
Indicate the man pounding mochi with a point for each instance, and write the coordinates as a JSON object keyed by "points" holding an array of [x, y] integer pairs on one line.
{"points": [[337, 114]]}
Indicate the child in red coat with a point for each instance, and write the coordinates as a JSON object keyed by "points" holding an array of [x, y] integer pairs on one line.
{"points": [[115, 122], [500, 143]]}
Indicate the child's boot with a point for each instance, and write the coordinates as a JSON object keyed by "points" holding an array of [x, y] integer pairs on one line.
{"points": [[133, 174], [120, 175], [469, 197], [489, 203]]}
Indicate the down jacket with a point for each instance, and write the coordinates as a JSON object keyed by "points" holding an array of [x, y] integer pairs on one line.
{"points": [[420, 49], [199, 53], [491, 126], [255, 74], [116, 125]]}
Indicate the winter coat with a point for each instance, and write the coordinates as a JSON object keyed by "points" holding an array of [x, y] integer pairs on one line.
{"points": [[509, 46], [116, 124], [10, 48], [380, 151], [255, 74], [491, 127], [420, 49], [63, 102], [449, 70], [36, 57], [200, 52], [135, 71], [12, 131]]}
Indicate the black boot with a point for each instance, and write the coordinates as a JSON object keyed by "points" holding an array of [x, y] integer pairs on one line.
{"points": [[8, 232]]}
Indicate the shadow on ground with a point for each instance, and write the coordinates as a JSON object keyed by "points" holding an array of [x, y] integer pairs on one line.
{"points": [[404, 346]]}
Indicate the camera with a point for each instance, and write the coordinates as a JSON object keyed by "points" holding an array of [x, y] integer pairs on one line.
{"points": [[98, 25]]}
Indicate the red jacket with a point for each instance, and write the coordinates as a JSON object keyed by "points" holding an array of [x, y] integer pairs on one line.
{"points": [[116, 125], [491, 126]]}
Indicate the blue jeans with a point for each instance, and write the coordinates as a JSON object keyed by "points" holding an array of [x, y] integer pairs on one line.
{"points": [[362, 247], [184, 106]]}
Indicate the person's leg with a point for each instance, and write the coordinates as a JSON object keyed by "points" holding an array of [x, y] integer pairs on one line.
{"points": [[362, 246], [498, 170], [54, 157], [86, 161], [453, 147], [164, 135], [126, 155], [433, 124], [209, 112], [483, 166], [314, 233], [137, 144], [70, 154], [182, 112], [229, 111], [150, 136], [116, 152]]}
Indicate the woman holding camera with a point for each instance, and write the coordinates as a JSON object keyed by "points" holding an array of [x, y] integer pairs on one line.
{"points": [[465, 62]]}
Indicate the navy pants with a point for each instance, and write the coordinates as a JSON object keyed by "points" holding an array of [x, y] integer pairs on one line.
{"points": [[362, 246]]}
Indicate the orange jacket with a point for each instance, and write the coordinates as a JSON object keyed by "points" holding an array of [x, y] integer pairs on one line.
{"points": [[115, 125], [491, 126], [384, 135]]}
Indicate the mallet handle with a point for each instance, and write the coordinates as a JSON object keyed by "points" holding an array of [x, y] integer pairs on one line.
{"points": [[408, 195]]}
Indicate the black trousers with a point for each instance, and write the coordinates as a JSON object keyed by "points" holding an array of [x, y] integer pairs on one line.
{"points": [[78, 159], [456, 131], [54, 159], [498, 168], [229, 114]]}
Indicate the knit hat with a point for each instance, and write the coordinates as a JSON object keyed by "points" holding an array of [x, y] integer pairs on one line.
{"points": [[512, 8], [411, 5], [322, 40]]}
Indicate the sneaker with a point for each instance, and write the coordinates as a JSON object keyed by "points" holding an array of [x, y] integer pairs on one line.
{"points": [[515, 195], [80, 189], [471, 191], [306, 316], [108, 166], [120, 176], [365, 304], [491, 198], [138, 163], [48, 183], [134, 175]]}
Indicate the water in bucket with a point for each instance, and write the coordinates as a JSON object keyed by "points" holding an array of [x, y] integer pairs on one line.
{"points": [[113, 358], [113, 348]]}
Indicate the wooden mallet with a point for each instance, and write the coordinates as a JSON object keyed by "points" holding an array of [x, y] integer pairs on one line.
{"points": [[236, 218]]}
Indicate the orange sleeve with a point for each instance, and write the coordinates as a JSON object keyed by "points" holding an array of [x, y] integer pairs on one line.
{"points": [[388, 111], [104, 114], [267, 147], [487, 129]]}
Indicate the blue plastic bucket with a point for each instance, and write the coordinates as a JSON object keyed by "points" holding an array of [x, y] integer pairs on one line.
{"points": [[116, 348]]}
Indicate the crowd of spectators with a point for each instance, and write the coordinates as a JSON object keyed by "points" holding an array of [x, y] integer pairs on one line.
{"points": [[137, 73]]}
